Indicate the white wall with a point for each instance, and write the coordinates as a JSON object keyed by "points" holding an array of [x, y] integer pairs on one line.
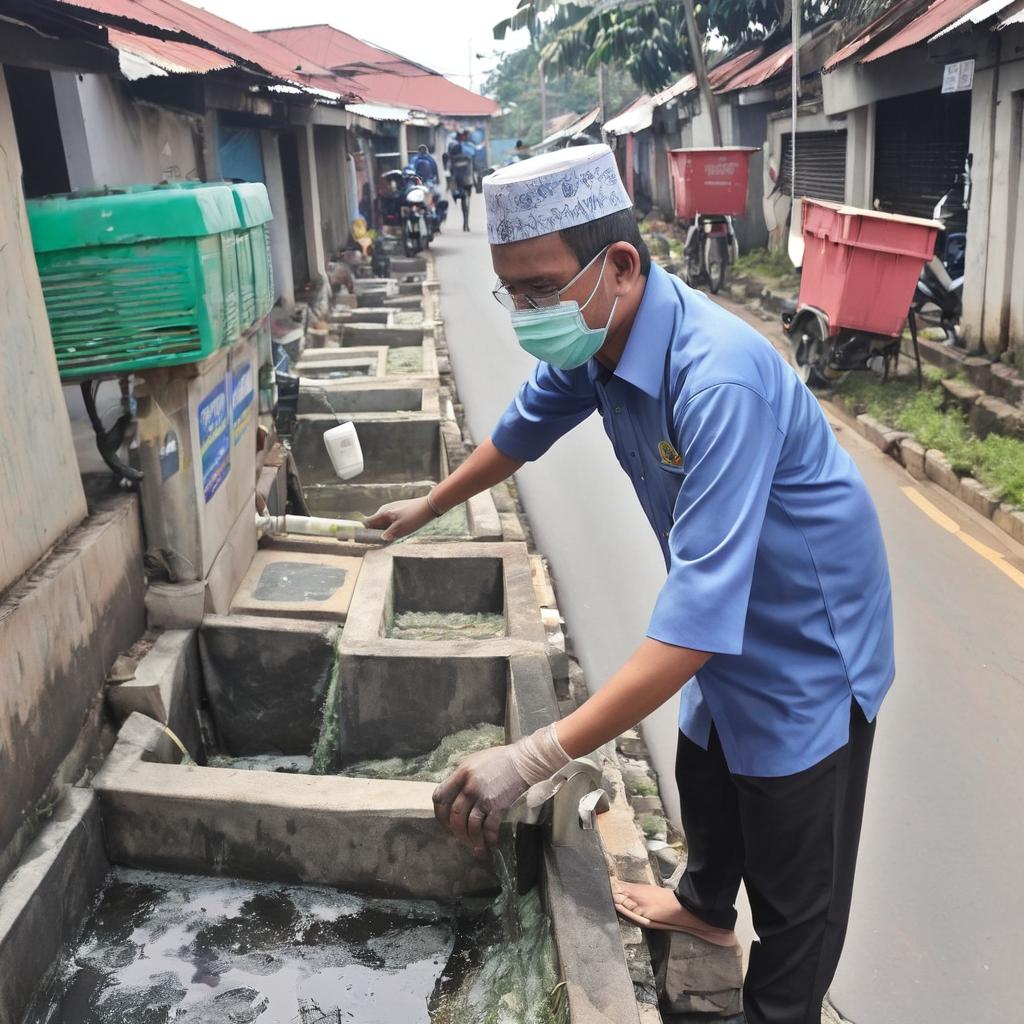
{"points": [[40, 491], [280, 241], [993, 311], [130, 142]]}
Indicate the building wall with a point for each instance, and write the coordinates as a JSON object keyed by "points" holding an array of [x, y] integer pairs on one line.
{"points": [[41, 494], [280, 239], [332, 176], [127, 142], [993, 310]]}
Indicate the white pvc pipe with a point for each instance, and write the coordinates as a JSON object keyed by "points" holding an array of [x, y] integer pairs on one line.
{"points": [[317, 526]]}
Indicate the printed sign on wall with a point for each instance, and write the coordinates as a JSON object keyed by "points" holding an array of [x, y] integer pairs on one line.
{"points": [[243, 391], [214, 439]]}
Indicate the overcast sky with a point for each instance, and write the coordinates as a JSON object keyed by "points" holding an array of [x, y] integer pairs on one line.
{"points": [[429, 33]]}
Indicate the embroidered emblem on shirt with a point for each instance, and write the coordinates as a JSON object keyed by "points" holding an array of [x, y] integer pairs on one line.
{"points": [[669, 456]]}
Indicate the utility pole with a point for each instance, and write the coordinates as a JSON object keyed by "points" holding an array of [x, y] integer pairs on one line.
{"points": [[543, 101], [697, 54], [795, 89], [602, 92]]}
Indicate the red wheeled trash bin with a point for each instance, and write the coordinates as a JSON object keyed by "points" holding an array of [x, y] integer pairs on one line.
{"points": [[861, 266], [711, 181]]}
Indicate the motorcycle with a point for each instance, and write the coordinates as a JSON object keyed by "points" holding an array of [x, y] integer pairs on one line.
{"points": [[405, 203], [709, 249], [941, 285]]}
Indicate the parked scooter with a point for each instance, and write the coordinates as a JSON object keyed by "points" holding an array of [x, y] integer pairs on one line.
{"points": [[941, 284], [405, 204], [710, 247]]}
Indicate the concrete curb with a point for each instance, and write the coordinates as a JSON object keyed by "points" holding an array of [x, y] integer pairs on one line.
{"points": [[930, 465]]}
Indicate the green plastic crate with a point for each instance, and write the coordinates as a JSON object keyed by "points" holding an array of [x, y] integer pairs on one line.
{"points": [[138, 277], [255, 278]]}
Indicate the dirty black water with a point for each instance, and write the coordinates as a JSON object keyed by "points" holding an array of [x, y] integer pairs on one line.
{"points": [[190, 950], [298, 581]]}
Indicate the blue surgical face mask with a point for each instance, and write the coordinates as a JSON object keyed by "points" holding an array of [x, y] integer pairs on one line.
{"points": [[558, 334]]}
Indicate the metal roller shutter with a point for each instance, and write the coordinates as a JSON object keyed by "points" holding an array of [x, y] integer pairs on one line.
{"points": [[921, 143], [820, 165]]}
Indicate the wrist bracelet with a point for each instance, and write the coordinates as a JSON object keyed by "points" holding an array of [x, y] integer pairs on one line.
{"points": [[430, 504]]}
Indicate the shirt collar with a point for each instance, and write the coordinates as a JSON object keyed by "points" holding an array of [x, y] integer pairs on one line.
{"points": [[643, 359]]}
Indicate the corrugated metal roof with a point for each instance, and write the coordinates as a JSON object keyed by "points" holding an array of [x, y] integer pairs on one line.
{"points": [[166, 57], [190, 30], [1006, 12], [762, 71], [874, 32], [719, 77], [903, 25], [636, 117], [937, 16], [581, 124], [381, 76]]}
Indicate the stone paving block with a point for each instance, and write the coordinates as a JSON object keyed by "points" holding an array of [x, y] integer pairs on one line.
{"points": [[1010, 519], [299, 586], [1007, 383], [912, 457], [938, 469], [961, 394], [992, 415], [979, 497], [694, 976]]}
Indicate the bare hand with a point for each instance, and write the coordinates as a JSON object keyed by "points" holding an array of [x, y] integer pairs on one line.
{"points": [[470, 803], [400, 518]]}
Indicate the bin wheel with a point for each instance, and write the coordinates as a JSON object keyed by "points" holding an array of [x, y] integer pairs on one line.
{"points": [[715, 261], [810, 351]]}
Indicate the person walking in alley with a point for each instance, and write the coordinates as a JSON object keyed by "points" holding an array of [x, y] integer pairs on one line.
{"points": [[775, 620], [460, 172]]}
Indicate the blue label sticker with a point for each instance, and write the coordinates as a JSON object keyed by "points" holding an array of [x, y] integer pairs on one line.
{"points": [[243, 390], [170, 457], [214, 439]]}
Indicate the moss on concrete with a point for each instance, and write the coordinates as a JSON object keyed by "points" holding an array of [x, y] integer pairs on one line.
{"points": [[446, 626]]}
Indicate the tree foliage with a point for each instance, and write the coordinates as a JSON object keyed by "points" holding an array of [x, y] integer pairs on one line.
{"points": [[647, 38]]}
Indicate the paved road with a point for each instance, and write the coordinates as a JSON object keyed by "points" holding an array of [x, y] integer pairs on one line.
{"points": [[935, 936]]}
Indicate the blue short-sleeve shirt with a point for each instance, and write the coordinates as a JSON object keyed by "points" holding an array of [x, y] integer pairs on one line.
{"points": [[775, 558]]}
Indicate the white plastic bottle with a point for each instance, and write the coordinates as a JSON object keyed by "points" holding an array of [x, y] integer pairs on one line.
{"points": [[343, 447]]}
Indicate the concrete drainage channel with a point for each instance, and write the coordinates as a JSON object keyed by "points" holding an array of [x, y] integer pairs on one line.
{"points": [[254, 847]]}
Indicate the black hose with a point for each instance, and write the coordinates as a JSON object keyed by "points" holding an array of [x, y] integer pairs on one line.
{"points": [[109, 441]]}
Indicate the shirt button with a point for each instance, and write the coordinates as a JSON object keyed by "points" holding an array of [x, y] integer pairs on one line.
{"points": [[664, 533], [632, 455], [618, 408]]}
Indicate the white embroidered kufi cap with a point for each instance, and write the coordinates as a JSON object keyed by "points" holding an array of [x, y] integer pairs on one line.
{"points": [[552, 192]]}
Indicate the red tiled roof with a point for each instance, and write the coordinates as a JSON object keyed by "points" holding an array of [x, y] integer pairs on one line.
{"points": [[187, 29], [379, 75]]}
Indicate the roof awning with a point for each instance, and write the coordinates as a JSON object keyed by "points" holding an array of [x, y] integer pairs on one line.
{"points": [[581, 124], [637, 117]]}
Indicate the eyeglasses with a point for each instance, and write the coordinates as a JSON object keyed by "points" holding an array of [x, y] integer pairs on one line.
{"points": [[521, 300]]}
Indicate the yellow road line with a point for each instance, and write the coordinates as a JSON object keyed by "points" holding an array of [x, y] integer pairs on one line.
{"points": [[951, 526]]}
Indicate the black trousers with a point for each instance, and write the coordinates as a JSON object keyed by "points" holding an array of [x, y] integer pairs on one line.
{"points": [[793, 841]]}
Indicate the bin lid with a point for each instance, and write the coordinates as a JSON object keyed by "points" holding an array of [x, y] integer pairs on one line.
{"points": [[857, 211], [716, 149], [135, 213], [252, 203]]}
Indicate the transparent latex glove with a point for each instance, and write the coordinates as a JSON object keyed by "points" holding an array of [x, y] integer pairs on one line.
{"points": [[400, 518], [472, 801]]}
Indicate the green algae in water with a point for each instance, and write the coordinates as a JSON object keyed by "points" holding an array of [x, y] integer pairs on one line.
{"points": [[447, 626], [405, 359], [513, 979], [436, 765], [325, 753], [454, 523]]}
